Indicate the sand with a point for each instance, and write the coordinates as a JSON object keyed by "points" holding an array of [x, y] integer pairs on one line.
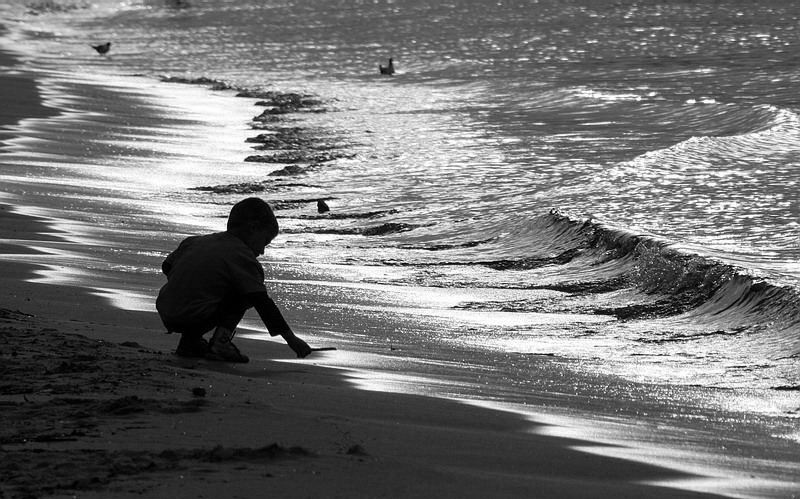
{"points": [[118, 416], [94, 404], [92, 407]]}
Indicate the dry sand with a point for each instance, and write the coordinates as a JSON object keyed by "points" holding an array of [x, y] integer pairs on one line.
{"points": [[95, 405]]}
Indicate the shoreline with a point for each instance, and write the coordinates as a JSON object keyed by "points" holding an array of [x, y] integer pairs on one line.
{"points": [[400, 456], [92, 406]]}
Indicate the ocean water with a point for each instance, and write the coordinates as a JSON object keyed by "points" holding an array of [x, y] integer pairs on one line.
{"points": [[610, 184]]}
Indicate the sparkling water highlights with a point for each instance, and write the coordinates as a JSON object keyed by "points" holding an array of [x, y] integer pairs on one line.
{"points": [[589, 201]]}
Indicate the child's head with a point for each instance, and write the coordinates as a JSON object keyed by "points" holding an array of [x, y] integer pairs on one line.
{"points": [[252, 214]]}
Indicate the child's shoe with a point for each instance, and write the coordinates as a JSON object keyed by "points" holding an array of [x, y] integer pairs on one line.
{"points": [[225, 351], [191, 346]]}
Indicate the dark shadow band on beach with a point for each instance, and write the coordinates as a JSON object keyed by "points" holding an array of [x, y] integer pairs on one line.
{"points": [[21, 97]]}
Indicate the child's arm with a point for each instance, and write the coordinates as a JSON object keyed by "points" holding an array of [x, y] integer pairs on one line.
{"points": [[275, 323]]}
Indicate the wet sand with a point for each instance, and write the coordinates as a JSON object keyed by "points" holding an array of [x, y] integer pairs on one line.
{"points": [[95, 405]]}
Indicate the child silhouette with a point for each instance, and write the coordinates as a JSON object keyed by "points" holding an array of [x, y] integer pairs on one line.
{"points": [[212, 280]]}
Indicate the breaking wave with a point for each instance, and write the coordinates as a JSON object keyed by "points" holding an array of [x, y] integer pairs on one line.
{"points": [[707, 290]]}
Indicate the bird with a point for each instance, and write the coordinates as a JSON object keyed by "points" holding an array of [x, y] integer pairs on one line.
{"points": [[103, 48], [387, 70], [322, 206]]}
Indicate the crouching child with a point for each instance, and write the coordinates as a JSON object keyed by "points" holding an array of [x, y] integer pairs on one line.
{"points": [[212, 280]]}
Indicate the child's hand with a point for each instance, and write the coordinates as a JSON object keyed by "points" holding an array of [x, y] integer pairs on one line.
{"points": [[299, 346]]}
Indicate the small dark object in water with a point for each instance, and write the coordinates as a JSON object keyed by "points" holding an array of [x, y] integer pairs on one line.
{"points": [[102, 49], [387, 70], [322, 206], [199, 392], [357, 450]]}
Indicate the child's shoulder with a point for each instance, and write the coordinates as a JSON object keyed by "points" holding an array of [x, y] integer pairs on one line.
{"points": [[205, 238], [223, 242]]}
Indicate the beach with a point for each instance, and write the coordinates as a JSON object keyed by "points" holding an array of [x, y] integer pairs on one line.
{"points": [[90, 409], [96, 405]]}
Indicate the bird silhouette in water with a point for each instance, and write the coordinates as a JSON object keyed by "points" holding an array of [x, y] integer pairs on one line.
{"points": [[322, 206], [103, 48], [387, 70]]}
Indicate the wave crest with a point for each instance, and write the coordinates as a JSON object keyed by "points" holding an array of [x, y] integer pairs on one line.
{"points": [[704, 289]]}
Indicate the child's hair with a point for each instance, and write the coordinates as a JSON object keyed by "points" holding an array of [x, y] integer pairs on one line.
{"points": [[252, 213]]}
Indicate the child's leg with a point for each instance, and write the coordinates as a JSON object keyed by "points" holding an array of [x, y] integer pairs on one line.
{"points": [[220, 347], [225, 319], [191, 343], [228, 315]]}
